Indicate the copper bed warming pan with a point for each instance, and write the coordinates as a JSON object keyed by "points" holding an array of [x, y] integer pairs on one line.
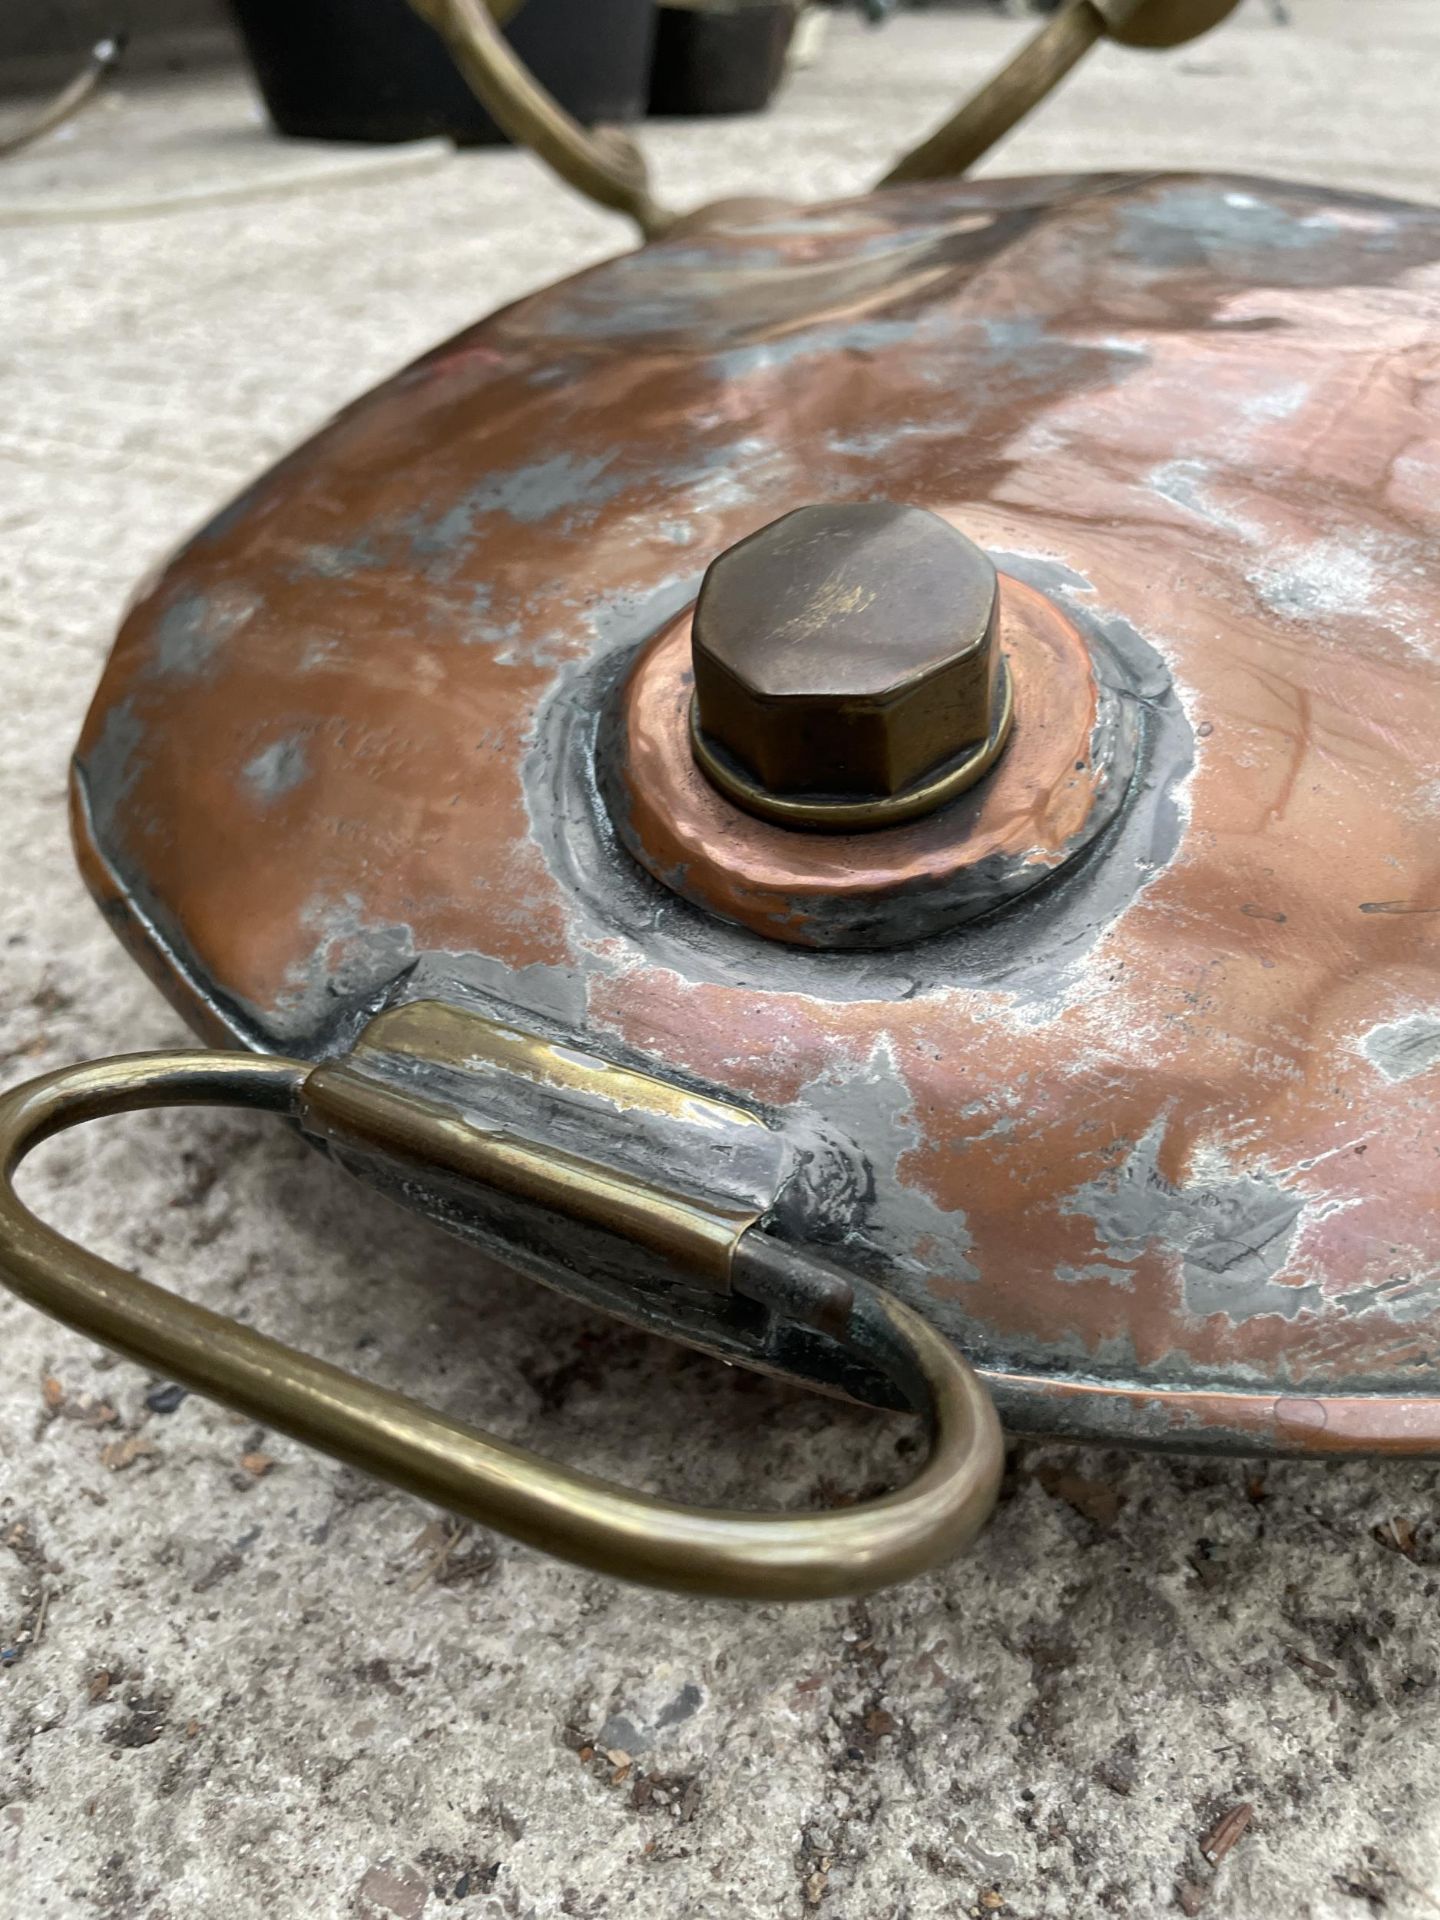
{"points": [[857, 786]]}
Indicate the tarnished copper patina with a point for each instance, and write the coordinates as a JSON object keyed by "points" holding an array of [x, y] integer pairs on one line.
{"points": [[1152, 1140]]}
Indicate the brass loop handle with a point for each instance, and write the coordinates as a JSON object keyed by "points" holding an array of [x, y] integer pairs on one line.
{"points": [[398, 1439], [1039, 67], [607, 166]]}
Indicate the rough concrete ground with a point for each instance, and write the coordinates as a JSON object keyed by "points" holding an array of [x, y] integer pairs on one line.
{"points": [[238, 1680]]}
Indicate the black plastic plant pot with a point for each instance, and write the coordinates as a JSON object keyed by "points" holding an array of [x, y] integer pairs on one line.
{"points": [[338, 70], [719, 59]]}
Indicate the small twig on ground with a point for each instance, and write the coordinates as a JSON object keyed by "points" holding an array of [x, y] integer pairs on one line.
{"points": [[104, 58]]}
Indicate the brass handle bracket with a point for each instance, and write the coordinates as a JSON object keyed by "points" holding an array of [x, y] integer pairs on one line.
{"points": [[351, 1110], [570, 1513]]}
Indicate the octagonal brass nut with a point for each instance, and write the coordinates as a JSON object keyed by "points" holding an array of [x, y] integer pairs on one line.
{"points": [[847, 652]]}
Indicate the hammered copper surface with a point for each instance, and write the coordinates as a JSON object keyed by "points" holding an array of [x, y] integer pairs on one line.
{"points": [[1171, 1159]]}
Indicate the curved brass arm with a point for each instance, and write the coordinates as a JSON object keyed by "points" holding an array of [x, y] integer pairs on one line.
{"points": [[605, 166], [610, 169], [1039, 67], [573, 1514], [1036, 70]]}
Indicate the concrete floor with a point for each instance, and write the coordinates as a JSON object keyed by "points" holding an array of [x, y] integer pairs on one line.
{"points": [[237, 1679]]}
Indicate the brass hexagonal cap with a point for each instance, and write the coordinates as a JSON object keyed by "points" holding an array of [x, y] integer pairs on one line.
{"points": [[847, 650]]}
